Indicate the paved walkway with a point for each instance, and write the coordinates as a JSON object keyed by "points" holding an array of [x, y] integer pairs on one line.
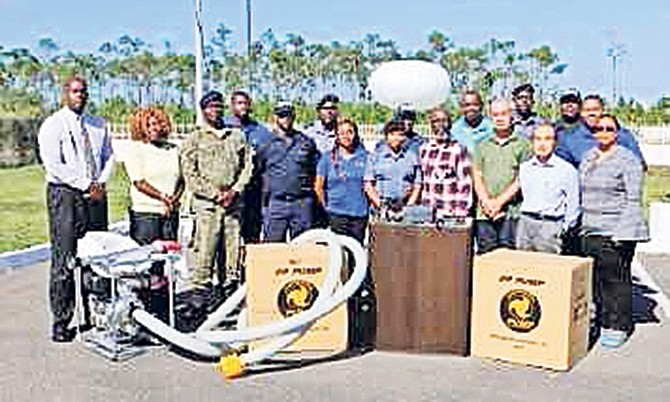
{"points": [[32, 368]]}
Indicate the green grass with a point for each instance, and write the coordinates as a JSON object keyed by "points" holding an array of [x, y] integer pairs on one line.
{"points": [[657, 186], [23, 216]]}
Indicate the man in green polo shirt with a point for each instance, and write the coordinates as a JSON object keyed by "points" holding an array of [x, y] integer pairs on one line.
{"points": [[496, 168]]}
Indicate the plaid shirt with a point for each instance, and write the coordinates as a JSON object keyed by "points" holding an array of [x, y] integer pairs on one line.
{"points": [[447, 178]]}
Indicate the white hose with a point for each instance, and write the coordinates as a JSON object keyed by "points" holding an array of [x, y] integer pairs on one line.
{"points": [[294, 322], [305, 317], [210, 343], [171, 335], [327, 288], [224, 309], [331, 280], [236, 298]]}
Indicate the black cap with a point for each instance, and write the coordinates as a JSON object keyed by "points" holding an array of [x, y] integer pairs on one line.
{"points": [[405, 112], [329, 100], [524, 88], [284, 108], [395, 124], [211, 96], [571, 95]]}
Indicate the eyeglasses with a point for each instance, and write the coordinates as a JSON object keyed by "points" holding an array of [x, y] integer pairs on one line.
{"points": [[607, 129]]}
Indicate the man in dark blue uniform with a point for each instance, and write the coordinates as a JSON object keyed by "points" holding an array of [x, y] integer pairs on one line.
{"points": [[324, 130], [570, 108], [257, 135], [406, 115], [413, 140], [524, 118], [574, 145], [288, 162]]}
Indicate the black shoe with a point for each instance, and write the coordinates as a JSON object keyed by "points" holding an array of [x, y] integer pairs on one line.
{"points": [[63, 335], [85, 327], [221, 293]]}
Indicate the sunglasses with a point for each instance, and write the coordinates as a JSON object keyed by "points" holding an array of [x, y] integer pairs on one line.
{"points": [[284, 114], [607, 129]]}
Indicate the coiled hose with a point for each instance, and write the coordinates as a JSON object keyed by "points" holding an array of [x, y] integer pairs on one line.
{"points": [[210, 343]]}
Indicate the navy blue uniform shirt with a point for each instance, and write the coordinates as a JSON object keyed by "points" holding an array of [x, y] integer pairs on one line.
{"points": [[288, 165], [256, 133], [573, 145]]}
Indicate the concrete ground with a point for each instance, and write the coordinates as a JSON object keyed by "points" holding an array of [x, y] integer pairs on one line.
{"points": [[32, 368]]}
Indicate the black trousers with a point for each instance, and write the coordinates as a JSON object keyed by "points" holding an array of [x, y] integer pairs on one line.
{"points": [[612, 283], [572, 241], [362, 306], [252, 216], [348, 226], [70, 217], [491, 235], [321, 218], [147, 227]]}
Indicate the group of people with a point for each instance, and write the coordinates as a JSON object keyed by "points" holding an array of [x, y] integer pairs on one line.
{"points": [[571, 186]]}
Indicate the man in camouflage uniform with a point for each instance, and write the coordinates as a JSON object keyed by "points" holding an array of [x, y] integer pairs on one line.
{"points": [[216, 163]]}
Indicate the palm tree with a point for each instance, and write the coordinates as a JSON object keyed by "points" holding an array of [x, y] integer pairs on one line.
{"points": [[543, 57], [439, 44], [3, 69]]}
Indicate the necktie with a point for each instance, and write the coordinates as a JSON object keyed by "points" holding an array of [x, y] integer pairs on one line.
{"points": [[91, 167]]}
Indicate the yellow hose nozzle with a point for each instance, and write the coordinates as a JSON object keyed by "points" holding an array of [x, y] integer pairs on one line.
{"points": [[230, 366]]}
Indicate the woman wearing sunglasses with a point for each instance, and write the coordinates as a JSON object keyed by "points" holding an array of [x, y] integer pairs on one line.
{"points": [[611, 179]]}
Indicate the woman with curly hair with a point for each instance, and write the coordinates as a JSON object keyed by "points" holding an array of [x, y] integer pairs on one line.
{"points": [[157, 183]]}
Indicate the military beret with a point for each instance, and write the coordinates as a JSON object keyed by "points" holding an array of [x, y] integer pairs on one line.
{"points": [[523, 88], [405, 112], [211, 96]]}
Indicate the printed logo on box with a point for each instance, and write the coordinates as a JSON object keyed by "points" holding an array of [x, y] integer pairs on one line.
{"points": [[520, 310], [296, 296]]}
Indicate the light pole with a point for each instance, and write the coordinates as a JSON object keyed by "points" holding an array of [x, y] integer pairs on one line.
{"points": [[615, 52], [198, 61], [250, 55]]}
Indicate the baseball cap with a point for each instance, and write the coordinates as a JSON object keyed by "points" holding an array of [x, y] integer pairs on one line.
{"points": [[284, 109], [571, 95]]}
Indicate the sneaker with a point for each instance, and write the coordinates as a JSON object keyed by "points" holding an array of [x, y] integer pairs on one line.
{"points": [[613, 338]]}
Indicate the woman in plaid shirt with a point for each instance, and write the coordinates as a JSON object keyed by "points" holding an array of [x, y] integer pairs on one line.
{"points": [[446, 168], [611, 180]]}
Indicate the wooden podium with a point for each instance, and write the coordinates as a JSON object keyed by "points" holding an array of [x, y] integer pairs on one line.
{"points": [[422, 278]]}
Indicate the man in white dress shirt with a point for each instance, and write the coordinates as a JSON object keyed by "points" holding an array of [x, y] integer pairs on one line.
{"points": [[77, 155]]}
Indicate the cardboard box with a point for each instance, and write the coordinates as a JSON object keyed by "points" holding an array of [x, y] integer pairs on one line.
{"points": [[531, 308], [284, 280]]}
